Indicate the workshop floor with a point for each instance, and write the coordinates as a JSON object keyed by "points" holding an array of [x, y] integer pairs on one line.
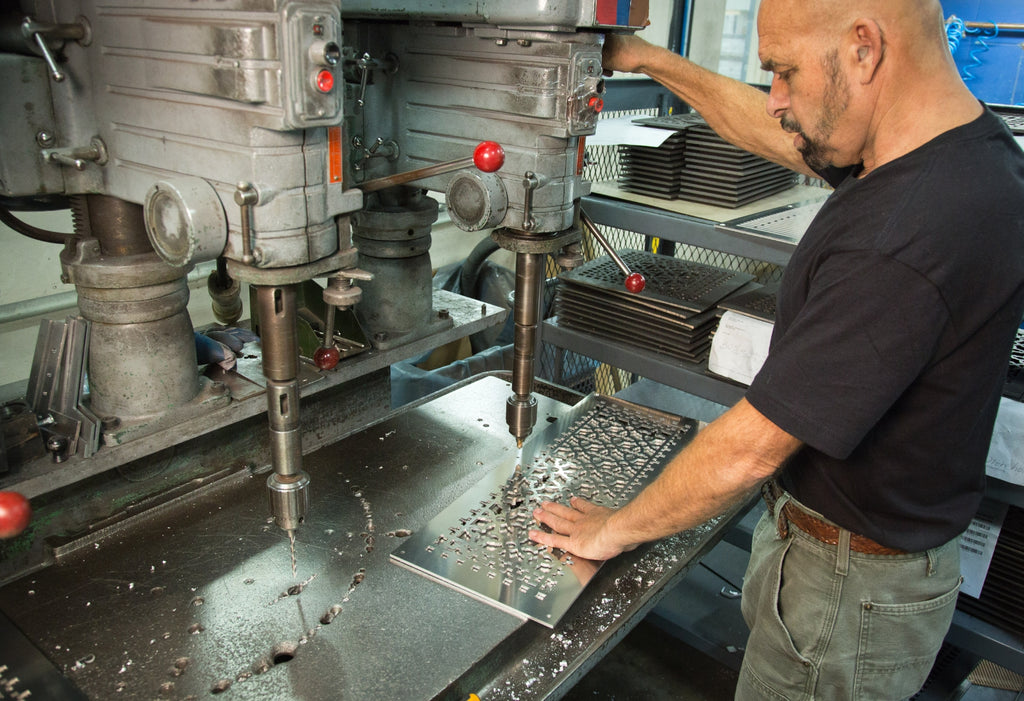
{"points": [[652, 665]]}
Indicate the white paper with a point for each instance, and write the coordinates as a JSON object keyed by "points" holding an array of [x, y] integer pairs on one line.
{"points": [[740, 347], [1006, 451], [977, 544], [621, 130]]}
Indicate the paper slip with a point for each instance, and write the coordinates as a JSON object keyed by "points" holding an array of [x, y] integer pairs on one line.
{"points": [[740, 347], [977, 544], [621, 130], [1006, 451]]}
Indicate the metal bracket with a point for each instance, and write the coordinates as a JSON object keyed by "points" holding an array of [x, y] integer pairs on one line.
{"points": [[56, 385]]}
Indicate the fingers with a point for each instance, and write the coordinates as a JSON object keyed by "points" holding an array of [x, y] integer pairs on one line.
{"points": [[582, 505], [557, 517], [552, 540]]}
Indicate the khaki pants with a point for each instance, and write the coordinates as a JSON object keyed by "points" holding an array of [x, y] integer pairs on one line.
{"points": [[830, 624]]}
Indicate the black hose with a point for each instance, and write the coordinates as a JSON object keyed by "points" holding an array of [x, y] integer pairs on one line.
{"points": [[469, 277], [32, 232]]}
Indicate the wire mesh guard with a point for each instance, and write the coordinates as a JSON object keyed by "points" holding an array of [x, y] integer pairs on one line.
{"points": [[675, 315], [605, 451]]}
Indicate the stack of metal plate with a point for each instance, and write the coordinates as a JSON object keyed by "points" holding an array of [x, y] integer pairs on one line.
{"points": [[656, 171], [696, 164], [717, 172], [675, 315]]}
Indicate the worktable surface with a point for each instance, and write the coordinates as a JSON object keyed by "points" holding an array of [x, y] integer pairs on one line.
{"points": [[197, 597]]}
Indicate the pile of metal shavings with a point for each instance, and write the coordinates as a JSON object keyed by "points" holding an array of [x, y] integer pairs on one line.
{"points": [[481, 544], [565, 646]]}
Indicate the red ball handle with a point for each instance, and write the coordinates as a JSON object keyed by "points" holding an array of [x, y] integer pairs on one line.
{"points": [[15, 513], [488, 156], [326, 358], [635, 283]]}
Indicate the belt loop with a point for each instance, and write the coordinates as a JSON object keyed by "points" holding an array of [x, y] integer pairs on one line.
{"points": [[843, 553], [781, 522], [931, 561]]}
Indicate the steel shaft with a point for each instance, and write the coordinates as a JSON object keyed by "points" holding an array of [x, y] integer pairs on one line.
{"points": [[521, 411], [287, 484]]}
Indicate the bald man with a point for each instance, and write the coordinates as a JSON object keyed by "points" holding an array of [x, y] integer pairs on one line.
{"points": [[868, 426]]}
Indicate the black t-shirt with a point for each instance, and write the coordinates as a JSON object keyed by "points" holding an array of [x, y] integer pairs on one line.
{"points": [[894, 323]]}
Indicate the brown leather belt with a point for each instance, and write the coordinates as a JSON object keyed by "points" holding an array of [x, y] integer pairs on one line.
{"points": [[816, 528]]}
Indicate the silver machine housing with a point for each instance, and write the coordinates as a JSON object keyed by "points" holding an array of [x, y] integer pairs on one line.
{"points": [[243, 131]]}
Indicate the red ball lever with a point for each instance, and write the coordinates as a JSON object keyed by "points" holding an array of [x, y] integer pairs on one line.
{"points": [[488, 156], [15, 513], [635, 282]]}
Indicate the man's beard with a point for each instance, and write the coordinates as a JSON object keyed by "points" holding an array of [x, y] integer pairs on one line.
{"points": [[816, 151]]}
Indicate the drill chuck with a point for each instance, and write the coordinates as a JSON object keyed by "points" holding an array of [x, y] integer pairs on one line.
{"points": [[289, 498]]}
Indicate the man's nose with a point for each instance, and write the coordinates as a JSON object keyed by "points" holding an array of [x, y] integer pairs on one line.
{"points": [[778, 98]]}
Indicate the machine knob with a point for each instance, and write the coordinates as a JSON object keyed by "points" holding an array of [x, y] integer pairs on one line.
{"points": [[488, 156], [326, 358], [15, 514], [595, 103], [635, 283]]}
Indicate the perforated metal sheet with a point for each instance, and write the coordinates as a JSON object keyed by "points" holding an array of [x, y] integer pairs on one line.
{"points": [[759, 303], [789, 224], [605, 450]]}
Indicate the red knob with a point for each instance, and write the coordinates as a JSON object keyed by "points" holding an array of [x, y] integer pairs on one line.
{"points": [[635, 283], [326, 358], [488, 156], [14, 514], [595, 103], [324, 80]]}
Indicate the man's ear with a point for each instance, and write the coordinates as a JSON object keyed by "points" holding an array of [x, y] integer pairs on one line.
{"points": [[867, 48]]}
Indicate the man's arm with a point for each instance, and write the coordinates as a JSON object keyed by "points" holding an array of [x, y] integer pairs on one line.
{"points": [[736, 111], [720, 467]]}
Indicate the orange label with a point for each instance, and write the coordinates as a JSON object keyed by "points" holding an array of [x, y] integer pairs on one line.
{"points": [[581, 152], [334, 154]]}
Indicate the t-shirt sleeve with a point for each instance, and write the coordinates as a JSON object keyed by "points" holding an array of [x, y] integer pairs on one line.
{"points": [[868, 327]]}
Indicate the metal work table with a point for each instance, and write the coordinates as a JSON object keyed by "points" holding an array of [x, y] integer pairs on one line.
{"points": [[197, 597]]}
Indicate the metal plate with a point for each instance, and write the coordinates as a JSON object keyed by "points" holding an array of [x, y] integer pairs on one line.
{"points": [[605, 451]]}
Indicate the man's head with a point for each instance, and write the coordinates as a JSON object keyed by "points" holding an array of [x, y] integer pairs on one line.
{"points": [[837, 67]]}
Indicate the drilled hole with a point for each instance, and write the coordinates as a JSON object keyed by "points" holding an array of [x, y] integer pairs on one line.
{"points": [[331, 614], [221, 686], [283, 652]]}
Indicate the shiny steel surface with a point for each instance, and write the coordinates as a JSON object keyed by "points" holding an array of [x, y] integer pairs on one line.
{"points": [[197, 596], [604, 450], [521, 411]]}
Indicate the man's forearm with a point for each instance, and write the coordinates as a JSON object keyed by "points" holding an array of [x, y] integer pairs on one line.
{"points": [[736, 111], [720, 467]]}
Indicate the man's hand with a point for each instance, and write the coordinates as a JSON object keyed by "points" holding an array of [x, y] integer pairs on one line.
{"points": [[623, 52], [580, 529]]}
